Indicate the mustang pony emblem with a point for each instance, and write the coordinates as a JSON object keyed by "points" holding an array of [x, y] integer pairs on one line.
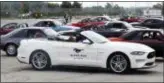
{"points": [[77, 50]]}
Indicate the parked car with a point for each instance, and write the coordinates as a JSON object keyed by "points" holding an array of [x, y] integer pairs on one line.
{"points": [[152, 38], [121, 25], [87, 48], [90, 21], [102, 18], [10, 27], [54, 24], [104, 30], [130, 19], [11, 41], [153, 23], [112, 29]]}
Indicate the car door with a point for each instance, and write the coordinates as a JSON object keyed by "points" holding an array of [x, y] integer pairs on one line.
{"points": [[17, 37], [119, 27], [155, 42], [78, 53], [148, 23], [85, 23], [157, 23], [98, 21], [149, 38]]}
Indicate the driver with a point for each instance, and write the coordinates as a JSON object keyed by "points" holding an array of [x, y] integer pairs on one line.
{"points": [[38, 35], [72, 38]]}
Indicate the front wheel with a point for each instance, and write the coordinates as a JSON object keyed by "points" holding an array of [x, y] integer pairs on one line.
{"points": [[118, 63], [40, 60]]}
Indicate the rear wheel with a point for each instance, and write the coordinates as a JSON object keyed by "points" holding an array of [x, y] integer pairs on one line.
{"points": [[11, 50], [40, 60], [118, 63]]}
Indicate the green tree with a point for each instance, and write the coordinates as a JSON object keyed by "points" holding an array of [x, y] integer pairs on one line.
{"points": [[66, 4], [53, 5], [76, 5], [108, 6], [24, 7], [157, 6]]}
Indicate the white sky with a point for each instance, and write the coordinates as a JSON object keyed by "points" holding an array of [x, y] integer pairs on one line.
{"points": [[124, 4]]}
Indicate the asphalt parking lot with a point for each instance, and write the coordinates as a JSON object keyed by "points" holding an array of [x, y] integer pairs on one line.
{"points": [[13, 71]]}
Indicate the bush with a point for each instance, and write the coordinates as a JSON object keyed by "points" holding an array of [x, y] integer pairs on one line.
{"points": [[37, 15]]}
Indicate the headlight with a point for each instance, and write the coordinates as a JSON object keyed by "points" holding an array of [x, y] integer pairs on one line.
{"points": [[138, 53]]}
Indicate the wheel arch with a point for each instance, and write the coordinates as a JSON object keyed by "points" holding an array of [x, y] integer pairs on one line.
{"points": [[41, 51], [9, 44], [117, 52]]}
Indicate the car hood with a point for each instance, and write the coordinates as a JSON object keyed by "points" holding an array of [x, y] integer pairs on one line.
{"points": [[67, 26], [132, 46], [115, 39]]}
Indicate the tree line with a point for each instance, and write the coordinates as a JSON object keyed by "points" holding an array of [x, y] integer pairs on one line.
{"points": [[47, 8]]}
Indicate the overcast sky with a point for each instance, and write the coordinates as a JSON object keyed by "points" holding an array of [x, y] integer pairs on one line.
{"points": [[124, 4]]}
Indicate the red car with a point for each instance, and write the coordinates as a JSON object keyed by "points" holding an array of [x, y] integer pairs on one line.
{"points": [[7, 28], [153, 38], [88, 21], [132, 19], [10, 27]]}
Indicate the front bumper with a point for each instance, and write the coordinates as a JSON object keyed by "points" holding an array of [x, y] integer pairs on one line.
{"points": [[147, 67], [22, 60], [144, 61]]}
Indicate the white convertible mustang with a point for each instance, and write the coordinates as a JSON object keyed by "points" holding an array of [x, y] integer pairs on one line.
{"points": [[85, 48]]}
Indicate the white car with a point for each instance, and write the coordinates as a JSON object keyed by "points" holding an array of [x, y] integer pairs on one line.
{"points": [[85, 48]]}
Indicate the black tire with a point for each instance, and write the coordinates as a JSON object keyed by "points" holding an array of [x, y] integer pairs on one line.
{"points": [[125, 63], [43, 54], [11, 50]]}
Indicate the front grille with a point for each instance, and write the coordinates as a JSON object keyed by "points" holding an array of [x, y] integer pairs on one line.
{"points": [[149, 64], [151, 55]]}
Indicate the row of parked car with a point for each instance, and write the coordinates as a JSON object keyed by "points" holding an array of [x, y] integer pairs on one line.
{"points": [[49, 42]]}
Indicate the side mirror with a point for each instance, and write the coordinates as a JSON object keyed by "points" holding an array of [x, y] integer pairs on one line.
{"points": [[86, 42]]}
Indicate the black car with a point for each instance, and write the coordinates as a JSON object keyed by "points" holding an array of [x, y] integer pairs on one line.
{"points": [[11, 41], [112, 29], [154, 23]]}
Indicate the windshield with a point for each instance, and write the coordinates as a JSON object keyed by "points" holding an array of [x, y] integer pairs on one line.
{"points": [[128, 25], [50, 32], [58, 23], [129, 35], [95, 37]]}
